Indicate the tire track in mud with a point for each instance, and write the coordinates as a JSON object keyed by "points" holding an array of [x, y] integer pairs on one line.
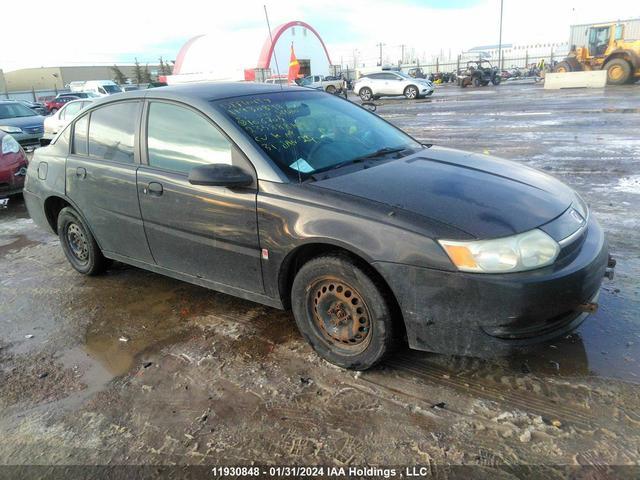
{"points": [[529, 402]]}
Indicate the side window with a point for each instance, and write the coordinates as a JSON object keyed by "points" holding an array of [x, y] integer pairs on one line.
{"points": [[80, 136], [111, 132], [179, 139], [376, 76]]}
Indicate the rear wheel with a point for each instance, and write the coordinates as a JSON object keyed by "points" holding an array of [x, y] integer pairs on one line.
{"points": [[618, 71], [411, 92], [476, 82], [53, 110], [496, 79], [78, 243], [568, 65], [331, 89], [365, 94], [342, 312]]}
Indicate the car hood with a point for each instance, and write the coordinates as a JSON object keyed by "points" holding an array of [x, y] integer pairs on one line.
{"points": [[32, 121], [484, 196]]}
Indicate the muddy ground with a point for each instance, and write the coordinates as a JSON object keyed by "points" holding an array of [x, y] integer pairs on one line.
{"points": [[135, 368]]}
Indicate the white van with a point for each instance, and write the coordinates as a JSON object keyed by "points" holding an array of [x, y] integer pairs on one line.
{"points": [[101, 88]]}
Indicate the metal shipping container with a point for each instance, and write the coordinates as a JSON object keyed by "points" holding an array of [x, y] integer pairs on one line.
{"points": [[578, 36]]}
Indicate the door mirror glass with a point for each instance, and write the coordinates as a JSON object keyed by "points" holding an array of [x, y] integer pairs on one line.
{"points": [[219, 175]]}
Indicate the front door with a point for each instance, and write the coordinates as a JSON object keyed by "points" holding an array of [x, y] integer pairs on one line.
{"points": [[208, 232], [598, 41], [101, 178]]}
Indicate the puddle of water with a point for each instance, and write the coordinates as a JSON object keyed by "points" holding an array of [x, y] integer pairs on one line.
{"points": [[629, 184], [14, 244]]}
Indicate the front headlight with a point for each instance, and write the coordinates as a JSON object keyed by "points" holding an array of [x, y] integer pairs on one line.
{"points": [[10, 129], [526, 251], [9, 145]]}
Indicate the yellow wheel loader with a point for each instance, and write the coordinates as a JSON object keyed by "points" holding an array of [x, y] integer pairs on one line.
{"points": [[606, 49]]}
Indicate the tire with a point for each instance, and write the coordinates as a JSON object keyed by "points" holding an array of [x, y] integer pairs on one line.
{"points": [[485, 83], [411, 92], [342, 312], [331, 89], [476, 82], [365, 94], [618, 71], [568, 65], [496, 80], [78, 243], [53, 111]]}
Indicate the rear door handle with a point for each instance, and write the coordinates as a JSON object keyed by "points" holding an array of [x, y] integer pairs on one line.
{"points": [[154, 188], [81, 172]]}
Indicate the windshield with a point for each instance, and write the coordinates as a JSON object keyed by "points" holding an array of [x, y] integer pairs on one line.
{"points": [[111, 89], [308, 132], [15, 110]]}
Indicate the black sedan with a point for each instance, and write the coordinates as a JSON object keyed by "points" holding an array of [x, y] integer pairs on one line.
{"points": [[298, 199]]}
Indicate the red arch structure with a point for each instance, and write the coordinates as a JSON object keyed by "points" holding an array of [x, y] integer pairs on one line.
{"points": [[183, 53], [267, 49]]}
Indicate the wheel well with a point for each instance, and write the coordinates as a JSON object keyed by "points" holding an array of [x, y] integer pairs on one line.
{"points": [[52, 207], [297, 258], [624, 55], [411, 85]]}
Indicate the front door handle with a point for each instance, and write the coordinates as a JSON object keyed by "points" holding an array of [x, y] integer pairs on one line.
{"points": [[81, 172], [154, 188]]}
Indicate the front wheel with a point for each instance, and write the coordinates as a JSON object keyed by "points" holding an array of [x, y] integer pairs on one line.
{"points": [[53, 111], [618, 71], [496, 79], [342, 312], [411, 92], [78, 243], [365, 94]]}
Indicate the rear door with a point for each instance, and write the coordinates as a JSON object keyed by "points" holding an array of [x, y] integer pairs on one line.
{"points": [[208, 232], [101, 178]]}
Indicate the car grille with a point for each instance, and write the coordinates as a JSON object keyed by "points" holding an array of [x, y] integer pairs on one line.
{"points": [[33, 129]]}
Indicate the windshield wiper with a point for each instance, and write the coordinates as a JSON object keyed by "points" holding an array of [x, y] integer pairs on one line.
{"points": [[369, 156]]}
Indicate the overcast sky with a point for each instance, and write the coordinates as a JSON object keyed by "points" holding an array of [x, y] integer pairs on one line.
{"points": [[119, 30]]}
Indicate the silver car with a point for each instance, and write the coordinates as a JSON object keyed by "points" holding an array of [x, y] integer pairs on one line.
{"points": [[381, 84], [25, 125]]}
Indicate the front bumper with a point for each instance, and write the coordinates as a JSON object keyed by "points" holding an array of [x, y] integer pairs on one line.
{"points": [[495, 314], [12, 174]]}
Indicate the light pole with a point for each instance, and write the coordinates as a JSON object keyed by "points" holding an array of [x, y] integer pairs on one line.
{"points": [[380, 45], [500, 38]]}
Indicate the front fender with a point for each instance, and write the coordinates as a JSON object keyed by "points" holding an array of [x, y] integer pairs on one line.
{"points": [[293, 216]]}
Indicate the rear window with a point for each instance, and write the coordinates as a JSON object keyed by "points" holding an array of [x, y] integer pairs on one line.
{"points": [[111, 132]]}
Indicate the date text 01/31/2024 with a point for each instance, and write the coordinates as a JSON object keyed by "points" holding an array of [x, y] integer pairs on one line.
{"points": [[318, 471]]}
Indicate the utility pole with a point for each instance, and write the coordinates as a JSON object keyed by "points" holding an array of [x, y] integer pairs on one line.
{"points": [[380, 45], [500, 66], [402, 57]]}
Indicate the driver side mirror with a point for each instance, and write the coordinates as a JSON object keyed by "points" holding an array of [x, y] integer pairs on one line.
{"points": [[219, 175]]}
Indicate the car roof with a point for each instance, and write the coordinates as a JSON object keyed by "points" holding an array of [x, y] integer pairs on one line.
{"points": [[207, 91]]}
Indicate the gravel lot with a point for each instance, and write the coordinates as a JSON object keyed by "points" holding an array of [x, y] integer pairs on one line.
{"points": [[135, 368]]}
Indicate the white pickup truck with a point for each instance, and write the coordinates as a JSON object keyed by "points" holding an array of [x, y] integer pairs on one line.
{"points": [[321, 83]]}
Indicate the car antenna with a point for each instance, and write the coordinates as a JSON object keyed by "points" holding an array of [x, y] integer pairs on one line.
{"points": [[275, 57]]}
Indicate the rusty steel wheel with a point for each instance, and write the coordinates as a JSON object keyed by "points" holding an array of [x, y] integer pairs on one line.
{"points": [[340, 314], [343, 310]]}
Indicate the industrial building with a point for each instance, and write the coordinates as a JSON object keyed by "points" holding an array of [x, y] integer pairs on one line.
{"points": [[58, 78]]}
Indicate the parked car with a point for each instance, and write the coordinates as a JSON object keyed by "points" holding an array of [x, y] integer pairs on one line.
{"points": [[321, 83], [13, 165], [56, 103], [277, 81], [293, 198], [479, 73], [24, 125], [389, 83], [57, 121], [37, 107]]}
